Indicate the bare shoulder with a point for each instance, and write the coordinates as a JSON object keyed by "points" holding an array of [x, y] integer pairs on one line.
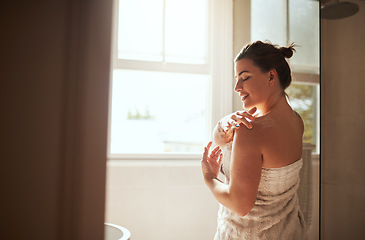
{"points": [[260, 125], [270, 137], [252, 139], [300, 121], [264, 129]]}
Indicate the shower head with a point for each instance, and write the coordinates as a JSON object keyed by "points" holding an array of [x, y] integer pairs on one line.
{"points": [[339, 10]]}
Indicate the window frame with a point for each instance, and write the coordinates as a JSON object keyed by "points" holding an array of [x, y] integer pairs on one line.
{"points": [[313, 80], [302, 74], [219, 66], [307, 75]]}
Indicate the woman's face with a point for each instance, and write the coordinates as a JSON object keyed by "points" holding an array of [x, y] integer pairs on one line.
{"points": [[252, 84]]}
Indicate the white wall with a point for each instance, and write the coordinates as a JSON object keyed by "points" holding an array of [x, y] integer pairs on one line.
{"points": [[160, 200]]}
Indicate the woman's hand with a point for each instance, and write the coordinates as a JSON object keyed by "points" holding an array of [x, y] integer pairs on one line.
{"points": [[242, 118], [236, 120], [211, 162]]}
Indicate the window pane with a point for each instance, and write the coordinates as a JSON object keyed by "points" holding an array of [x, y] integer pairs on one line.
{"points": [[140, 27], [268, 21], [156, 32], [303, 99], [186, 31], [155, 112], [304, 31]]}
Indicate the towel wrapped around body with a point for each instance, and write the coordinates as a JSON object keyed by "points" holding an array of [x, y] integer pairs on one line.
{"points": [[276, 213]]}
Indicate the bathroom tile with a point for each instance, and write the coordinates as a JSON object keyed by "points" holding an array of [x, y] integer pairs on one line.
{"points": [[351, 102], [191, 213], [138, 176], [343, 212], [343, 152], [185, 176], [140, 209]]}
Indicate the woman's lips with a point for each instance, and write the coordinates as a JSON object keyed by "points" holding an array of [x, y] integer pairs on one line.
{"points": [[244, 96]]}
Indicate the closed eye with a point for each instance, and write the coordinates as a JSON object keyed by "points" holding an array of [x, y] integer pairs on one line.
{"points": [[243, 79]]}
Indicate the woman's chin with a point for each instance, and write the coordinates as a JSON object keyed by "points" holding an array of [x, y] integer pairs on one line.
{"points": [[246, 106]]}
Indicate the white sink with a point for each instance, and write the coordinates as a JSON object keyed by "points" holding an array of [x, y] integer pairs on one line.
{"points": [[116, 232]]}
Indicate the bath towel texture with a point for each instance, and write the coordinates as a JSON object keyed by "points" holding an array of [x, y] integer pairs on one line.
{"points": [[276, 213]]}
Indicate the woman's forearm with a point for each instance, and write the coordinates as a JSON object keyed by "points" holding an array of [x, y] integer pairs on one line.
{"points": [[224, 195], [219, 189]]}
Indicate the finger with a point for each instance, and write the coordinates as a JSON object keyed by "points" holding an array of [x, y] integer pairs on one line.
{"points": [[220, 159], [252, 110], [234, 122], [208, 146], [244, 115], [228, 126], [243, 121], [205, 154], [240, 118], [247, 124], [213, 155], [215, 149], [231, 124], [206, 151]]}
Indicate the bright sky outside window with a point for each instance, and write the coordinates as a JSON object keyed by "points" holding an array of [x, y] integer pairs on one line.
{"points": [[304, 30], [163, 30], [140, 29], [155, 111], [268, 21], [186, 31]]}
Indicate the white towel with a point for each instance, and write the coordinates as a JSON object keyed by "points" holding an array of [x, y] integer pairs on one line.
{"points": [[276, 213]]}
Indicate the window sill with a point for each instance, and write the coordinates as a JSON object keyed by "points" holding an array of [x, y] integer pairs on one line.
{"points": [[156, 156]]}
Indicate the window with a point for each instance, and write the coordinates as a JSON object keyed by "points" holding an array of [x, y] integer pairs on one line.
{"points": [[304, 99], [283, 22], [164, 80]]}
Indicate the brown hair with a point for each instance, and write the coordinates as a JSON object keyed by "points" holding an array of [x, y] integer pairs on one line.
{"points": [[267, 56]]}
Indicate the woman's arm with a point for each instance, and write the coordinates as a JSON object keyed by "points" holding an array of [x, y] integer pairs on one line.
{"points": [[246, 164]]}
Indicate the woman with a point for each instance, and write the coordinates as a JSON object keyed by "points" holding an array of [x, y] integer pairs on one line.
{"points": [[260, 155]]}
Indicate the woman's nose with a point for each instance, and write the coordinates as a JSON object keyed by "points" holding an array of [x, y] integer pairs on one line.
{"points": [[238, 86]]}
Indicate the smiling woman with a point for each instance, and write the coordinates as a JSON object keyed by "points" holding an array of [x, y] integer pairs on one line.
{"points": [[261, 164]]}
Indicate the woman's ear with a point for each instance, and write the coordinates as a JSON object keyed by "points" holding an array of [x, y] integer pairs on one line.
{"points": [[273, 76]]}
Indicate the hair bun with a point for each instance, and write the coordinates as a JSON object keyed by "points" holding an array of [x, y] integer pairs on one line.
{"points": [[287, 52]]}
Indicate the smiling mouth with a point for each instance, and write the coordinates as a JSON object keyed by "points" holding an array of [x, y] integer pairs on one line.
{"points": [[243, 97]]}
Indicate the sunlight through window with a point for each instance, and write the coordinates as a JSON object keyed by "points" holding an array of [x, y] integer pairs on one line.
{"points": [[159, 96]]}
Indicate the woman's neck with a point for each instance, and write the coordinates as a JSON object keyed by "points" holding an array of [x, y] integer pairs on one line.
{"points": [[277, 101]]}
